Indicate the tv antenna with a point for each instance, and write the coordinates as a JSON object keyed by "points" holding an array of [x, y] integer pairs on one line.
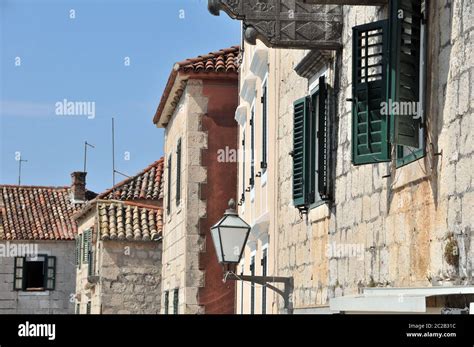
{"points": [[20, 161], [114, 171], [86, 144]]}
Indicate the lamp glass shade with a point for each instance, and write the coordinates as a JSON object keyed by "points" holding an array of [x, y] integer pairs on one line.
{"points": [[230, 236]]}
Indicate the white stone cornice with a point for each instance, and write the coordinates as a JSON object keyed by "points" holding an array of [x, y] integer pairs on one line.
{"points": [[241, 114], [259, 63], [247, 92]]}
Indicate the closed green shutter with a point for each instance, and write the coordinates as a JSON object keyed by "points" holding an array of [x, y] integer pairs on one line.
{"points": [[168, 198], [178, 173], [263, 164], [176, 301], [77, 254], [18, 273], [323, 140], [301, 152], [50, 267], [405, 32], [86, 239], [370, 61], [252, 148]]}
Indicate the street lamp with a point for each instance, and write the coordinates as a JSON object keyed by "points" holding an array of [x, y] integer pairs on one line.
{"points": [[230, 235]]}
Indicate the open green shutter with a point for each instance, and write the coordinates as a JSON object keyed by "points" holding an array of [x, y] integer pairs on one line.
{"points": [[301, 155], [323, 140], [86, 236], [405, 27], [263, 163], [50, 267], [77, 254], [18, 273], [370, 128]]}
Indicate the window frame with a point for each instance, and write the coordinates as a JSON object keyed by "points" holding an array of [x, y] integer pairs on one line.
{"points": [[46, 277], [178, 172]]}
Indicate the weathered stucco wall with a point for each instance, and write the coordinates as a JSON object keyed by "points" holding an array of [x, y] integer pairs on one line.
{"points": [[58, 301]]}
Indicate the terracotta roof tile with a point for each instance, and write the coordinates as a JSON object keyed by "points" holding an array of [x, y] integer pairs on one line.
{"points": [[37, 213], [224, 60], [146, 185], [120, 220]]}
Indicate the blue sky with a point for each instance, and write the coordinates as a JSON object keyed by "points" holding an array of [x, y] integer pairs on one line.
{"points": [[83, 59]]}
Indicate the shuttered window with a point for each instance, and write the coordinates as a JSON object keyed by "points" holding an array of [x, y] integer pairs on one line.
{"points": [[88, 307], [405, 27], [168, 198], [311, 148], [178, 173], [242, 198], [252, 288], [252, 148], [18, 273], [77, 254], [175, 301], [167, 302], [301, 152], [370, 62], [50, 267], [86, 241], [323, 140], [263, 164]]}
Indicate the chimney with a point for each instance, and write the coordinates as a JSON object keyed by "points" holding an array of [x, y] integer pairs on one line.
{"points": [[78, 187]]}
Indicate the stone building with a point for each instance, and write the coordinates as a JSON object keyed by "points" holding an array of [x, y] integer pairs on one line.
{"points": [[197, 112], [118, 247], [372, 211], [37, 234]]}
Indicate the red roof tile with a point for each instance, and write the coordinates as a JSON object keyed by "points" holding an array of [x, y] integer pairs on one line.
{"points": [[129, 221], [224, 60], [146, 185], [37, 213]]}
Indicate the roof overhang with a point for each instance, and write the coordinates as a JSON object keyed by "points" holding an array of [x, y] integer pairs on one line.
{"points": [[396, 300]]}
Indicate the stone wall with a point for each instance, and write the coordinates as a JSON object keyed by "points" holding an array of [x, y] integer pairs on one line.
{"points": [[403, 222], [57, 301], [130, 277]]}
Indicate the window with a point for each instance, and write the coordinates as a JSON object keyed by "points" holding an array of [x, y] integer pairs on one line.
{"points": [[388, 84], [252, 148], [168, 197], [86, 246], [178, 173], [35, 273], [252, 288], [263, 163], [242, 198], [264, 273], [311, 148], [167, 301], [78, 250], [175, 301]]}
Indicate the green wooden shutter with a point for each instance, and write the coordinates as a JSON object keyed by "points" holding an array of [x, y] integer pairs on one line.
{"points": [[263, 164], [18, 281], [88, 307], [370, 129], [175, 301], [301, 151], [323, 140], [86, 238], [77, 254], [168, 198], [50, 267], [178, 173], [252, 148], [167, 302], [405, 32]]}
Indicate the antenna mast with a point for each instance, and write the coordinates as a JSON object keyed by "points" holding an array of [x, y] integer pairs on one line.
{"points": [[19, 169], [86, 144]]}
